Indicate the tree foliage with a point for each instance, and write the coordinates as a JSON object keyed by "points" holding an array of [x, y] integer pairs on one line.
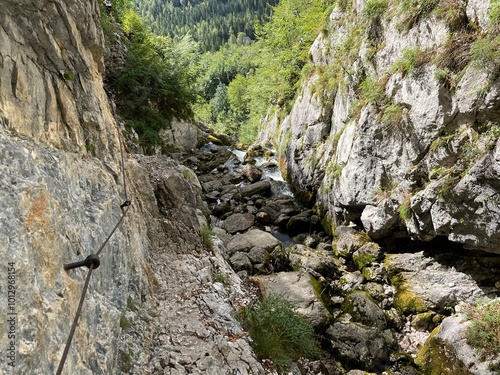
{"points": [[264, 73], [211, 22], [155, 83]]}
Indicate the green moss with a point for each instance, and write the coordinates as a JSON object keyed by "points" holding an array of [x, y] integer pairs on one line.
{"points": [[68, 76], [362, 259], [126, 361], [125, 323], [437, 357], [319, 291], [408, 302], [405, 211]]}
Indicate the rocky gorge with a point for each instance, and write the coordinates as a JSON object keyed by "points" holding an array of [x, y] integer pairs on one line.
{"points": [[203, 237]]}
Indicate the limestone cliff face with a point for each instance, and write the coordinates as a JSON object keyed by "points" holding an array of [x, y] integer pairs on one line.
{"points": [[51, 64], [383, 134], [61, 189]]}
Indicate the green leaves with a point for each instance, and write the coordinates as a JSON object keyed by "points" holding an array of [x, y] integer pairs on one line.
{"points": [[155, 83]]}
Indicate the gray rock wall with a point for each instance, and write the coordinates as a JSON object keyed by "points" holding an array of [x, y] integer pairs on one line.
{"points": [[61, 190], [376, 129]]}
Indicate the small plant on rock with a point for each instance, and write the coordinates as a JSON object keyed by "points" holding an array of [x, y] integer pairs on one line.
{"points": [[405, 210], [279, 333], [484, 331], [207, 234]]}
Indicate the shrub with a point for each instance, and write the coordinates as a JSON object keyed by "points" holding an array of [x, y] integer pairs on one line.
{"points": [[405, 210], [371, 90], [279, 333], [486, 53], [452, 12], [414, 10], [484, 331]]}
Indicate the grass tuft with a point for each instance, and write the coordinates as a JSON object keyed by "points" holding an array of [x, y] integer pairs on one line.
{"points": [[279, 333]]}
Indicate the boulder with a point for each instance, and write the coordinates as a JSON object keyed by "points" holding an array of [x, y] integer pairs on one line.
{"points": [[446, 351], [363, 309], [321, 261], [257, 188], [252, 173], [238, 222], [359, 346], [347, 240], [366, 255], [300, 223], [297, 287], [422, 284], [253, 239], [240, 262]]}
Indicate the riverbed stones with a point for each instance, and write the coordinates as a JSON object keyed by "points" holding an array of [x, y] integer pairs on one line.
{"points": [[252, 173], [257, 188], [253, 251], [238, 222]]}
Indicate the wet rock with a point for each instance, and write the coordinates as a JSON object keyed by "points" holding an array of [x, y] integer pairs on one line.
{"points": [[260, 187], [262, 217], [238, 222], [252, 173], [300, 223], [280, 210]]}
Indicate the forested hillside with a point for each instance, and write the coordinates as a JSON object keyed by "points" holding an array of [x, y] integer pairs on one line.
{"points": [[210, 22]]}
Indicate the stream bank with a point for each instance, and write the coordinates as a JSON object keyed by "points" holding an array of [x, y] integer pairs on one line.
{"points": [[376, 311]]}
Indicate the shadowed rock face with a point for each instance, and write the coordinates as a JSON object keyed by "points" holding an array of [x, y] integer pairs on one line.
{"points": [[437, 161]]}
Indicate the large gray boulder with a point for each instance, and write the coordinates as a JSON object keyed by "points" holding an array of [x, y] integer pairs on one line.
{"points": [[253, 251], [426, 284]]}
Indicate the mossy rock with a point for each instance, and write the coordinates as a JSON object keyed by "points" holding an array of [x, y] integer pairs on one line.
{"points": [[321, 294], [366, 255], [437, 357], [364, 309], [408, 302]]}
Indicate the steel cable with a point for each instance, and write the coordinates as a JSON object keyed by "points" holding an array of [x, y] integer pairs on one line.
{"points": [[92, 261]]}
